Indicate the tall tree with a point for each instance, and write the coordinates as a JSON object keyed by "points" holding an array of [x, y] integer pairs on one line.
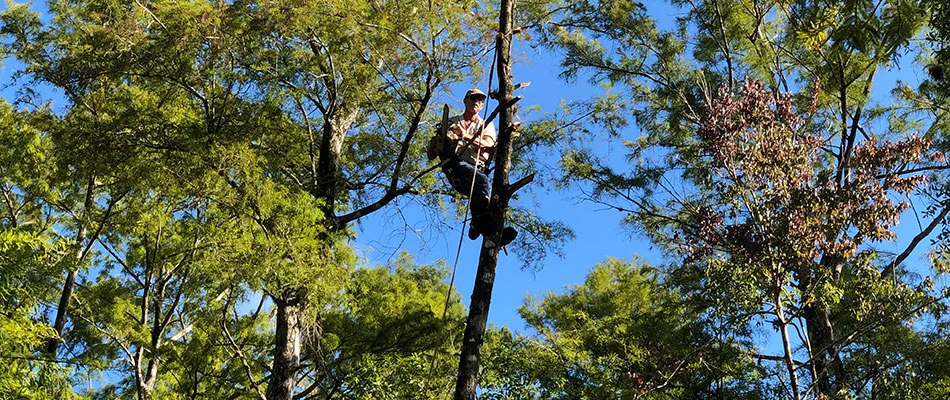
{"points": [[681, 193], [160, 269], [94, 155], [296, 118], [360, 101], [502, 191], [30, 256], [128, 130]]}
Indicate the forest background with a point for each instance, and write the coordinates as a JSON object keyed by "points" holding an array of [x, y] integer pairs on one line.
{"points": [[195, 194]]}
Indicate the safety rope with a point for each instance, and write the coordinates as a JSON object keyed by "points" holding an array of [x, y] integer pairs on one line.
{"points": [[471, 190]]}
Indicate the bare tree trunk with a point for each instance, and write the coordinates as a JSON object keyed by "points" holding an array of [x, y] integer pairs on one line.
{"points": [[283, 378], [475, 325], [786, 342], [488, 258]]}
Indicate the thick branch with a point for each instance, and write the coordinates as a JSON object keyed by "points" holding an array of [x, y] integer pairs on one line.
{"points": [[514, 187], [499, 108], [386, 198], [407, 140]]}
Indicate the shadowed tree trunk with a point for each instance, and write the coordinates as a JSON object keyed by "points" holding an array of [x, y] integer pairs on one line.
{"points": [[62, 310], [501, 193]]}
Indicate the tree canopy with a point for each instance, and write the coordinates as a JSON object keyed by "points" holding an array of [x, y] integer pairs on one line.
{"points": [[181, 183]]}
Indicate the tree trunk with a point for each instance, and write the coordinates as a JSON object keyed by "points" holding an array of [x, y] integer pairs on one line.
{"points": [[328, 173], [786, 342], [824, 353], [826, 362], [488, 258], [149, 376], [283, 378], [476, 323], [145, 380], [62, 310]]}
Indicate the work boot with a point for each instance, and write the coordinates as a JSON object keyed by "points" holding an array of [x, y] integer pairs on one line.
{"points": [[508, 235], [472, 232], [481, 223]]}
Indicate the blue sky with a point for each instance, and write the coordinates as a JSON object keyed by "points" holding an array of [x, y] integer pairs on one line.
{"points": [[599, 234]]}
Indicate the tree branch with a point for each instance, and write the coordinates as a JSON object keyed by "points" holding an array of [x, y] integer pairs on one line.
{"points": [[774, 358], [407, 140], [514, 187], [240, 354], [889, 269], [386, 198]]}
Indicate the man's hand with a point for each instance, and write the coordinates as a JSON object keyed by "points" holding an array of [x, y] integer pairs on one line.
{"points": [[486, 141]]}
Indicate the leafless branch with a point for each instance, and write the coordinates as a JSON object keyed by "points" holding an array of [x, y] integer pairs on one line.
{"points": [[938, 220]]}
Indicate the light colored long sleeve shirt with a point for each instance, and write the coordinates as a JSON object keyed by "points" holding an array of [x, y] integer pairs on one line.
{"points": [[471, 145]]}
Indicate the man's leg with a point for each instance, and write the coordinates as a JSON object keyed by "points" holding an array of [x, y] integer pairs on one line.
{"points": [[481, 218], [460, 175]]}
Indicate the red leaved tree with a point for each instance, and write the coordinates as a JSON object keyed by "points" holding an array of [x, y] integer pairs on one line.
{"points": [[783, 228]]}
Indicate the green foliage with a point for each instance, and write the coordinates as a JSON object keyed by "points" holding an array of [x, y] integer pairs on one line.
{"points": [[30, 258], [26, 262], [939, 36], [378, 340], [209, 159], [199, 162], [620, 334]]}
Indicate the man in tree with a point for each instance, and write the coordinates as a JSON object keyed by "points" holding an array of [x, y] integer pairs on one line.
{"points": [[466, 147]]}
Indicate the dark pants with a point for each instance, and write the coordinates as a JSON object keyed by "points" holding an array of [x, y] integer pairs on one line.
{"points": [[460, 175]]}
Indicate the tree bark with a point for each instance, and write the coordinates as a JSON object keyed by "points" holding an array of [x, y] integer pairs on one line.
{"points": [[149, 376], [786, 341], [488, 258], [291, 305], [328, 172], [62, 310], [283, 378], [824, 355]]}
